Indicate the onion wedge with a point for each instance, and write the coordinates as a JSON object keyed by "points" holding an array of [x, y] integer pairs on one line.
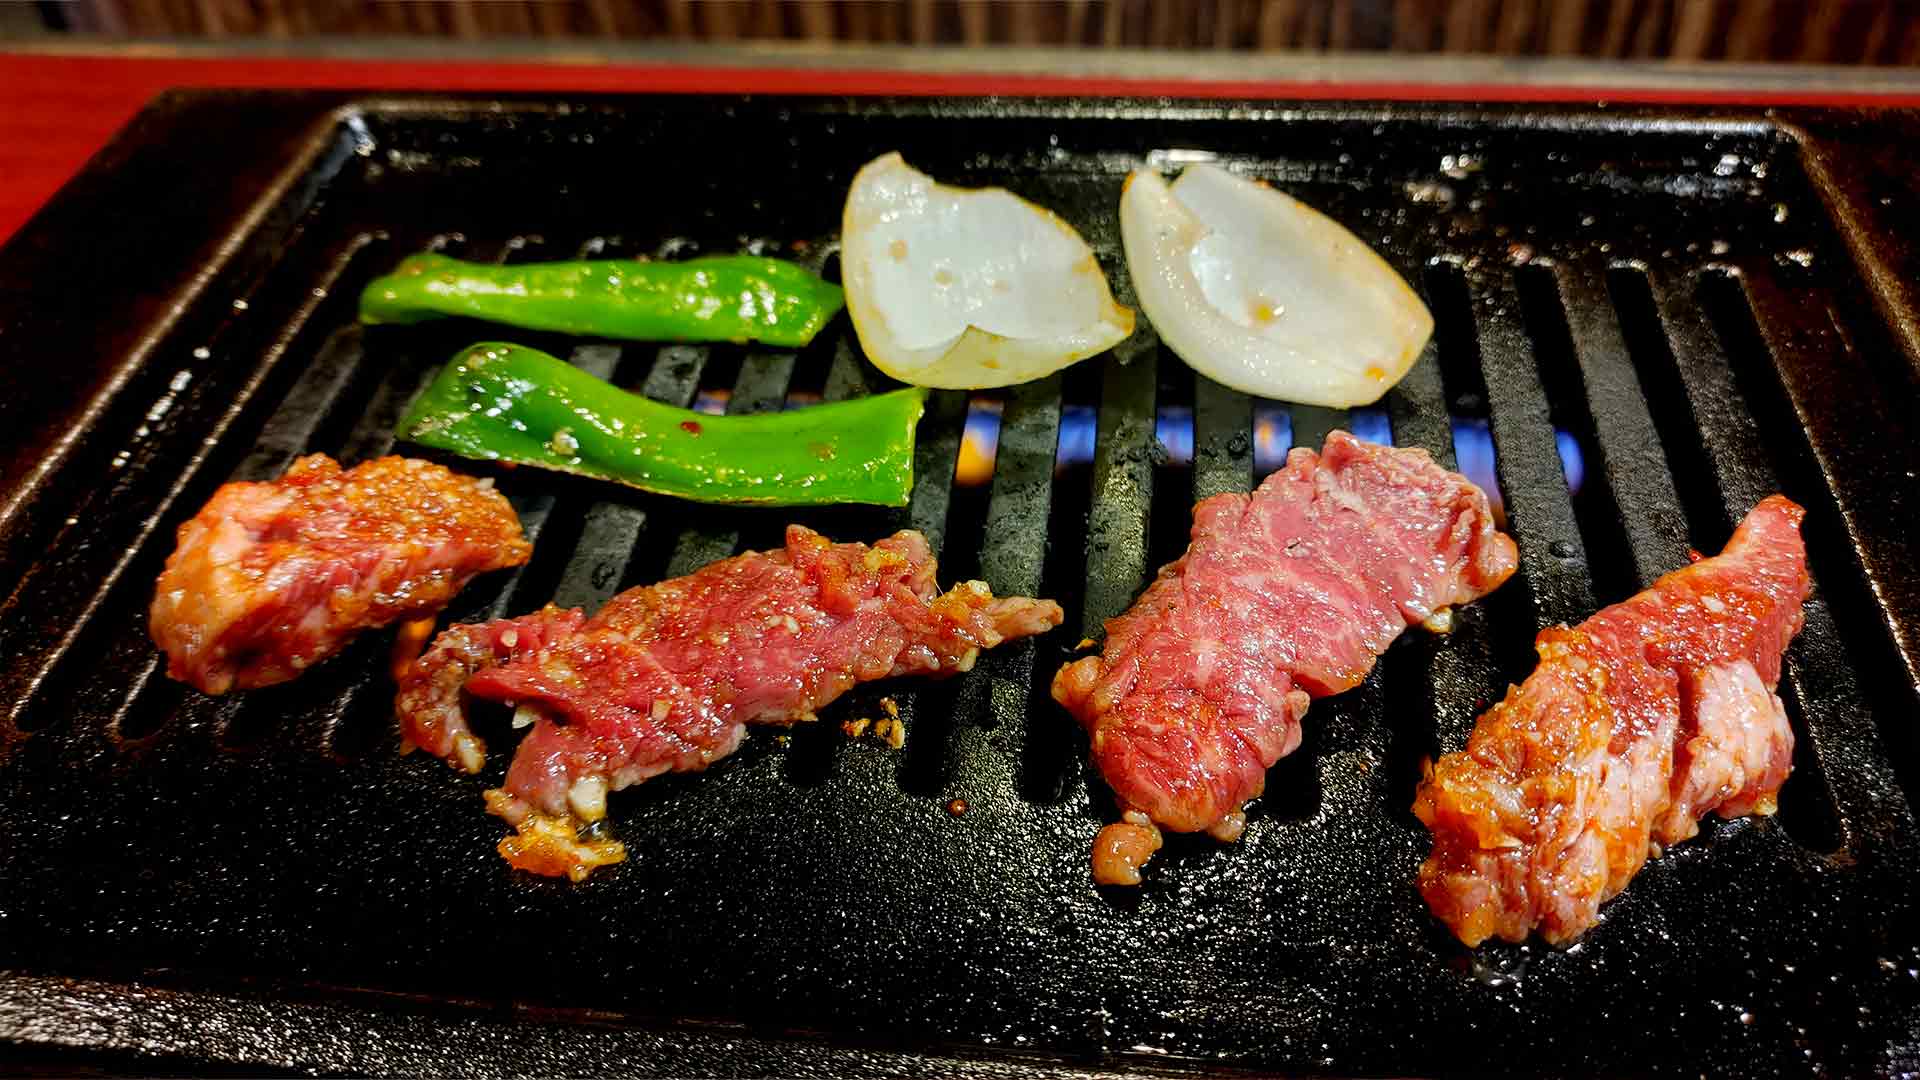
{"points": [[1262, 293], [968, 288]]}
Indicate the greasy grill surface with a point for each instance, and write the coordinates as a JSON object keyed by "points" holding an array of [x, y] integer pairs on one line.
{"points": [[1653, 318]]}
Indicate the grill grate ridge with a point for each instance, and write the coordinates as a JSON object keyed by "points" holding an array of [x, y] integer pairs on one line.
{"points": [[982, 717], [321, 395], [153, 481], [303, 717], [612, 529], [1807, 811], [1627, 508], [760, 387], [1838, 722], [1653, 337], [1311, 424], [1436, 686], [1540, 514], [1807, 358], [1222, 439], [1122, 484]]}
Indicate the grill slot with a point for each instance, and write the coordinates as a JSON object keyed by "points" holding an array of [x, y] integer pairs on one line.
{"points": [[760, 387], [611, 530], [936, 454], [1611, 307], [1100, 535], [306, 716], [117, 570], [1436, 686], [1117, 523], [1837, 721], [1811, 360], [533, 499], [1417, 407], [1493, 644], [1222, 441], [1628, 511], [1533, 486], [322, 407], [1658, 328], [1684, 427], [1311, 423], [322, 397], [987, 711]]}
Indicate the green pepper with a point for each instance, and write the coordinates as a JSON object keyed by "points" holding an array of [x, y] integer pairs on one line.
{"points": [[510, 403], [720, 298]]}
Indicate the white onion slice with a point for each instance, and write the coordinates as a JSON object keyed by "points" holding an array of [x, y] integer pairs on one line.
{"points": [[1264, 294], [964, 288]]}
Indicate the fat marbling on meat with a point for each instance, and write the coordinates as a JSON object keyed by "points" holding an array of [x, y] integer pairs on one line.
{"points": [[1283, 595], [1636, 723], [269, 579], [666, 677]]}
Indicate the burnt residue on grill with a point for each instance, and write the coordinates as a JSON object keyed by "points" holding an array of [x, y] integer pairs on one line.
{"points": [[1645, 322]]}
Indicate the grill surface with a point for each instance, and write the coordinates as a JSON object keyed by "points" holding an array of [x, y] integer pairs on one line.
{"points": [[1700, 309]]}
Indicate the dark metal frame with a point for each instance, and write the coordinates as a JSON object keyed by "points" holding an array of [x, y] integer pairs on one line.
{"points": [[1712, 306]]}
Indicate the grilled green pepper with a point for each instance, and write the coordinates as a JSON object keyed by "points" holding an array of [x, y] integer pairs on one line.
{"points": [[510, 403], [720, 298]]}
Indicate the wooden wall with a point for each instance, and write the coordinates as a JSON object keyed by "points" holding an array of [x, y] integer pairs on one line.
{"points": [[1824, 31]]}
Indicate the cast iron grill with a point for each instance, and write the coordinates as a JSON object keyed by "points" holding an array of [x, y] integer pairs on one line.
{"points": [[1653, 317]]}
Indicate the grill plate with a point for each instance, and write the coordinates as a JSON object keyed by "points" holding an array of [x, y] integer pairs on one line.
{"points": [[1706, 306]]}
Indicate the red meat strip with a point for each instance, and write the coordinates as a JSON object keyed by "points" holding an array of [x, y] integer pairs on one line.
{"points": [[1637, 722], [666, 677], [271, 578], [1283, 595], [433, 714]]}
